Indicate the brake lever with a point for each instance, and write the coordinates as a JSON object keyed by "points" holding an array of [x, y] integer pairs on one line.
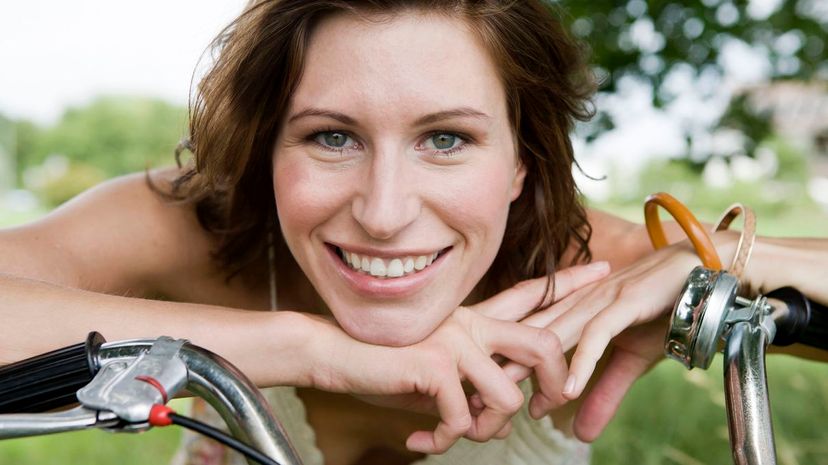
{"points": [[129, 389], [18, 425]]}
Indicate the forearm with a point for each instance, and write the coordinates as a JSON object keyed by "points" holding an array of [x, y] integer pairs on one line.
{"points": [[796, 262], [801, 263], [270, 347]]}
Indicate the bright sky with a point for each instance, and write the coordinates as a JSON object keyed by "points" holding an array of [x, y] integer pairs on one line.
{"points": [[57, 52]]}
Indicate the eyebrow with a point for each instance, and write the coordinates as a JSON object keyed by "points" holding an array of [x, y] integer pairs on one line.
{"points": [[461, 112]]}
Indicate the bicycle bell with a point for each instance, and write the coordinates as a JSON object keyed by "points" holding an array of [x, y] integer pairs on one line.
{"points": [[699, 316]]}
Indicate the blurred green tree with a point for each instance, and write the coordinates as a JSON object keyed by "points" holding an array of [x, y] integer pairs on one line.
{"points": [[110, 136], [650, 39], [115, 134]]}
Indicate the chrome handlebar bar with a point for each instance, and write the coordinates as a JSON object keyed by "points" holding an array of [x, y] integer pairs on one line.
{"points": [[708, 312]]}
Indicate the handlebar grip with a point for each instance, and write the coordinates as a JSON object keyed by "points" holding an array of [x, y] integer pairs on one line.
{"points": [[806, 321], [49, 381]]}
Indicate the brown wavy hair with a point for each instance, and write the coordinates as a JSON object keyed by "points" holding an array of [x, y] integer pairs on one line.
{"points": [[238, 106]]}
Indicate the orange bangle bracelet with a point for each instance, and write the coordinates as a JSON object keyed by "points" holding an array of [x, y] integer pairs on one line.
{"points": [[695, 232]]}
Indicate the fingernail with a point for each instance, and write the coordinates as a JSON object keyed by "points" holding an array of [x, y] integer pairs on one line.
{"points": [[601, 265], [569, 387], [537, 407], [476, 401]]}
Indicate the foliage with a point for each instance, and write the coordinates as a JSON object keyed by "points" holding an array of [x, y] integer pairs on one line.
{"points": [[110, 136], [58, 180], [117, 135], [652, 39]]}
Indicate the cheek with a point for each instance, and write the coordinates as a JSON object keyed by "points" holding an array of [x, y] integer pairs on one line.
{"points": [[479, 202], [304, 199]]}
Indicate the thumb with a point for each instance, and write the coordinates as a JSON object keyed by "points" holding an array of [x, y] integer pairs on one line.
{"points": [[602, 401]]}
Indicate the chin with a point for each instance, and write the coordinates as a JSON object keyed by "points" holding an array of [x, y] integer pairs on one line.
{"points": [[392, 332]]}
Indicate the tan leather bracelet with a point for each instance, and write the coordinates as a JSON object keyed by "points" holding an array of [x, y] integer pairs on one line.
{"points": [[746, 239], [695, 231]]}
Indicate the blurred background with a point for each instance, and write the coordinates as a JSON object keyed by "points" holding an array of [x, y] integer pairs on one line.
{"points": [[714, 101]]}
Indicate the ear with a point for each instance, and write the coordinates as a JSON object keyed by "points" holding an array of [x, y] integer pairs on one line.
{"points": [[517, 182]]}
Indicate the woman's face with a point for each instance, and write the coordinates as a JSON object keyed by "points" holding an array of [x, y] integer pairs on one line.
{"points": [[396, 149]]}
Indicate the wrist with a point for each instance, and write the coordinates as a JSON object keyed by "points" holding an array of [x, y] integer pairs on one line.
{"points": [[726, 242], [324, 354], [285, 354]]}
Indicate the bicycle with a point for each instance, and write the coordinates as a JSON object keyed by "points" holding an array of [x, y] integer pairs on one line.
{"points": [[709, 312], [124, 386]]}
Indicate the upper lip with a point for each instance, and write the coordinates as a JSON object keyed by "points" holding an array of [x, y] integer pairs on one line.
{"points": [[387, 253]]}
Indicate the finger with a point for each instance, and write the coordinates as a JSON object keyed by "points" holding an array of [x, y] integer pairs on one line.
{"points": [[575, 314], [455, 419], [544, 318], [516, 372], [595, 338], [538, 349], [476, 403], [517, 302], [602, 401], [500, 396], [504, 431]]}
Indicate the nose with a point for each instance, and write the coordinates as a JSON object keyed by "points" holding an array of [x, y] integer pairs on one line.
{"points": [[387, 201]]}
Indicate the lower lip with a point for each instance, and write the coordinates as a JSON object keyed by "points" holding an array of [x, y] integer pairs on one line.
{"points": [[386, 288]]}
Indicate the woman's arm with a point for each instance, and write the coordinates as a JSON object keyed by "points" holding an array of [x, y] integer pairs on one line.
{"points": [[630, 308], [90, 265], [87, 266]]}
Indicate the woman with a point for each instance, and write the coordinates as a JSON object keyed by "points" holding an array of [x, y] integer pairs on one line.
{"points": [[395, 178]]}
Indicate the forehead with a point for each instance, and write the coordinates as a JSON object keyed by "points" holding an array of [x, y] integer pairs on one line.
{"points": [[414, 62]]}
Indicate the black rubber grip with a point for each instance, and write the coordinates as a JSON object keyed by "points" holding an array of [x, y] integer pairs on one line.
{"points": [[49, 381], [806, 322]]}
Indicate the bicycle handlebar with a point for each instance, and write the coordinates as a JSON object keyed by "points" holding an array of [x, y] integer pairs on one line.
{"points": [[799, 319], [50, 380], [228, 390], [127, 379], [708, 312]]}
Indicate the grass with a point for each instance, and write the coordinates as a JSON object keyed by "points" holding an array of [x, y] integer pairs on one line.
{"points": [[92, 447], [675, 416]]}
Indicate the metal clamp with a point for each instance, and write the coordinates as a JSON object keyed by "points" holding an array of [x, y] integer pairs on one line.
{"points": [[129, 389]]}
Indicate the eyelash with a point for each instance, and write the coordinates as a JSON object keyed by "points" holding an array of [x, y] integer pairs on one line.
{"points": [[448, 153]]}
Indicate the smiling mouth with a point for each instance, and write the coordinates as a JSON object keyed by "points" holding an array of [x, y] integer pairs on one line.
{"points": [[389, 267]]}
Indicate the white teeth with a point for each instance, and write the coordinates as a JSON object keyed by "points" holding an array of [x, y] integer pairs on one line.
{"points": [[387, 268], [395, 268], [377, 267], [408, 266]]}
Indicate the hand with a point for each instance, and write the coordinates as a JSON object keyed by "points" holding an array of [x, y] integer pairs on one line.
{"points": [[644, 295], [460, 349], [623, 308]]}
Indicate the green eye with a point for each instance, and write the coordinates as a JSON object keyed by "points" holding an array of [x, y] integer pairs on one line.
{"points": [[332, 139], [443, 141]]}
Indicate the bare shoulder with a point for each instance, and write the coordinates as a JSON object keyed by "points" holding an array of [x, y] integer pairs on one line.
{"points": [[119, 237]]}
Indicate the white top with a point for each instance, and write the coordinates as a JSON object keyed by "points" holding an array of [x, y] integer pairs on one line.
{"points": [[531, 442]]}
